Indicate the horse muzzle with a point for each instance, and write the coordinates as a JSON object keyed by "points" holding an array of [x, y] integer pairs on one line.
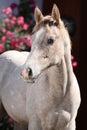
{"points": [[27, 74]]}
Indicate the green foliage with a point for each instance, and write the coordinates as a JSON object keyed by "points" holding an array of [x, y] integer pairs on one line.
{"points": [[6, 123]]}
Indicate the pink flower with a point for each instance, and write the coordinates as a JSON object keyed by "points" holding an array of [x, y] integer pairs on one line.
{"points": [[27, 41], [3, 38], [72, 57], [18, 44], [20, 20], [8, 26], [10, 120], [3, 30], [1, 48], [74, 64], [10, 34], [13, 43], [4, 11], [12, 22], [13, 5], [8, 10], [14, 18], [28, 37], [10, 16], [6, 20], [25, 26], [21, 39]]}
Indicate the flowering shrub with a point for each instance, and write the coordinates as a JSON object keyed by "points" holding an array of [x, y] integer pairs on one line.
{"points": [[6, 123], [13, 32], [74, 63]]}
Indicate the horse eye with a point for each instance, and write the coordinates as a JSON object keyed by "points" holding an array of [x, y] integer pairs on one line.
{"points": [[50, 41], [51, 23], [46, 22], [55, 24]]}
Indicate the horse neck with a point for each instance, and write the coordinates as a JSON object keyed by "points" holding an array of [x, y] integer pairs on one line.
{"points": [[69, 65], [57, 79], [61, 76]]}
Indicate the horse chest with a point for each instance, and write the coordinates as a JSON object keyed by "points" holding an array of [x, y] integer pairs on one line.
{"points": [[44, 96]]}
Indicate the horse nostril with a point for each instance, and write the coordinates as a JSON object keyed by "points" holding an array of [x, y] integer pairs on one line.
{"points": [[29, 70]]}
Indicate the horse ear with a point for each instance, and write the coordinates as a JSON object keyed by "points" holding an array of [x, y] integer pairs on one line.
{"points": [[38, 15], [55, 13]]}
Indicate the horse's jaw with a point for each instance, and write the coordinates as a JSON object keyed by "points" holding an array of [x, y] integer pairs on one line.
{"points": [[30, 79]]}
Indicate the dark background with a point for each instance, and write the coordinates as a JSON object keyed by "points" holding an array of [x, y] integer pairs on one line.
{"points": [[77, 9]]}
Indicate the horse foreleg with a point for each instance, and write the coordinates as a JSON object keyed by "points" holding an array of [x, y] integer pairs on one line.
{"points": [[50, 121], [18, 126], [34, 123], [64, 118], [56, 120]]}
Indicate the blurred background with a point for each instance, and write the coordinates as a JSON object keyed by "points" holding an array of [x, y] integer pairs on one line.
{"points": [[73, 13]]}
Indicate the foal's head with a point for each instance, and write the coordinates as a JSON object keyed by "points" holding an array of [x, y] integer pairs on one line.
{"points": [[48, 41]]}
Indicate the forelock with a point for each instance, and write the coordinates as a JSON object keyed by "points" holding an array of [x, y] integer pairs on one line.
{"points": [[46, 20]]}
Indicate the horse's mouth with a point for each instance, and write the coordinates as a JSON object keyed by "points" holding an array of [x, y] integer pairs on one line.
{"points": [[31, 79], [28, 79]]}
